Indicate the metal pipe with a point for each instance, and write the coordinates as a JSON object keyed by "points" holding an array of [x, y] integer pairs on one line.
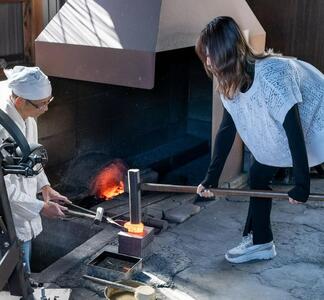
{"points": [[135, 209], [168, 188]]}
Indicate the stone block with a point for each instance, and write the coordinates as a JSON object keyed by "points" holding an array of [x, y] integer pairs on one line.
{"points": [[181, 213], [136, 244]]}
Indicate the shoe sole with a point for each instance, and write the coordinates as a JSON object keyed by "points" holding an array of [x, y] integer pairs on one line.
{"points": [[261, 255]]}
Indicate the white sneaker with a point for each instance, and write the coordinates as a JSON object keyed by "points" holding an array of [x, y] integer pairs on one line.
{"points": [[246, 251], [247, 241]]}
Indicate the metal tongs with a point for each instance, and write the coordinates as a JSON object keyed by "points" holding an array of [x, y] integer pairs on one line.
{"points": [[91, 214]]}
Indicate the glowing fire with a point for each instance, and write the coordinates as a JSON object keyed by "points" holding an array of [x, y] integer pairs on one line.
{"points": [[110, 181]]}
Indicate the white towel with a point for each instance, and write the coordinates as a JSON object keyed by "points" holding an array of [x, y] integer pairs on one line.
{"points": [[28, 82]]}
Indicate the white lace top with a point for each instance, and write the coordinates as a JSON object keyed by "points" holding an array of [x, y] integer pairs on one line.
{"points": [[279, 83]]}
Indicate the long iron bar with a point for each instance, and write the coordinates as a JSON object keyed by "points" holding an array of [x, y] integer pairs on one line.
{"points": [[135, 202], [168, 188]]}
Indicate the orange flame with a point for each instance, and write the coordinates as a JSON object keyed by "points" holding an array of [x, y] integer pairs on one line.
{"points": [[110, 181]]}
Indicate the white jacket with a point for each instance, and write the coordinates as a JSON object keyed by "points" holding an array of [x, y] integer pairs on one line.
{"points": [[22, 191]]}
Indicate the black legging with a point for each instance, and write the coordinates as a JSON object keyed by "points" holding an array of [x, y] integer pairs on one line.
{"points": [[258, 218]]}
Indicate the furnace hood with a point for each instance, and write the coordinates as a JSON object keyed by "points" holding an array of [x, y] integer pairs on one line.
{"points": [[116, 41]]}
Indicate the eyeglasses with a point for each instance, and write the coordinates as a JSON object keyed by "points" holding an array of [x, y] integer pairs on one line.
{"points": [[41, 107]]}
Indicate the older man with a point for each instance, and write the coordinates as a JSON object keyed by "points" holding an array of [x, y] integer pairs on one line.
{"points": [[29, 94]]}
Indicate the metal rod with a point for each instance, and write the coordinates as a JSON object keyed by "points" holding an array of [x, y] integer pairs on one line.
{"points": [[82, 209], [168, 188], [110, 283], [134, 196], [93, 217], [81, 214]]}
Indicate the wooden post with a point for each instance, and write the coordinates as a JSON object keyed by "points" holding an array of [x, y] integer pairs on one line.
{"points": [[27, 23], [33, 25], [37, 22], [2, 75]]}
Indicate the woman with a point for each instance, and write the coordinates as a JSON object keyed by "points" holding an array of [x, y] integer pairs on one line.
{"points": [[276, 105]]}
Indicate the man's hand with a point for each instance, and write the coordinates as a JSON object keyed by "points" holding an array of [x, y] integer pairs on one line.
{"points": [[293, 201], [53, 210], [203, 192], [50, 194]]}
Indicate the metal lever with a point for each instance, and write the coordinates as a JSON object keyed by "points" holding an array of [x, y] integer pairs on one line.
{"points": [[155, 187]]}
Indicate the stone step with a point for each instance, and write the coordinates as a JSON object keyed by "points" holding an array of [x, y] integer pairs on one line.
{"points": [[181, 213]]}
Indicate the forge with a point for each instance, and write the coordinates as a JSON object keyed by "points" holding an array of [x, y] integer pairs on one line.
{"points": [[102, 125], [95, 132]]}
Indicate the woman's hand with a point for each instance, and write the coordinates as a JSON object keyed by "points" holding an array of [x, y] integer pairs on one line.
{"points": [[299, 192], [50, 194], [203, 192], [293, 201]]}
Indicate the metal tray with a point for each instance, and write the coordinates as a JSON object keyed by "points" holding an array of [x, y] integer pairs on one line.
{"points": [[114, 266]]}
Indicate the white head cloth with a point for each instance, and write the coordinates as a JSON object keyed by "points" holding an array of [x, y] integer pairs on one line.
{"points": [[28, 82]]}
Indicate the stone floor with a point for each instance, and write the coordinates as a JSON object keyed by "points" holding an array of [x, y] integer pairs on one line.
{"points": [[191, 255], [187, 260]]}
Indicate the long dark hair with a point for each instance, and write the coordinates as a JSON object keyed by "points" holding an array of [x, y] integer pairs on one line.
{"points": [[223, 42]]}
